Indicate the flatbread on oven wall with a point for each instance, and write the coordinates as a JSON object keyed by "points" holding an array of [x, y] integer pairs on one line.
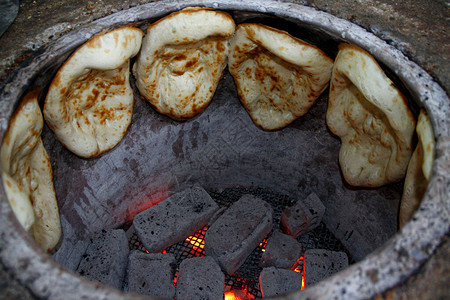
{"points": [[372, 119], [419, 169], [89, 104], [182, 60], [278, 77], [27, 174]]}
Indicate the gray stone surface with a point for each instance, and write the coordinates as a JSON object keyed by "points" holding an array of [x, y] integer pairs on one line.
{"points": [[106, 258], [200, 278], [151, 274], [11, 289], [174, 219], [321, 264], [282, 251], [303, 216], [238, 231], [276, 282]]}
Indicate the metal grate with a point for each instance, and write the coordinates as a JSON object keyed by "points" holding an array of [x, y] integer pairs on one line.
{"points": [[246, 277]]}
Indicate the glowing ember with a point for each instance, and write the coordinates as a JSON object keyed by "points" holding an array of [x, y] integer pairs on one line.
{"points": [[299, 267], [263, 245], [175, 277], [236, 295], [230, 296], [197, 243]]}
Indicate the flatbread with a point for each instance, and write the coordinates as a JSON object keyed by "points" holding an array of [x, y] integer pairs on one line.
{"points": [[372, 118], [89, 104], [278, 77], [182, 60], [27, 174], [419, 169]]}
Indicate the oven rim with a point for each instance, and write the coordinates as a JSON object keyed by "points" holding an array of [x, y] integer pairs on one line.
{"points": [[388, 266]]}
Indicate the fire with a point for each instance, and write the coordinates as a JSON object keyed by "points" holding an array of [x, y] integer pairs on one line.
{"points": [[197, 240], [150, 200], [231, 296], [175, 277], [236, 295], [197, 243], [299, 267], [263, 245]]}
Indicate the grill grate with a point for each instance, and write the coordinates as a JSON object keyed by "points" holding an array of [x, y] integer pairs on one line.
{"points": [[246, 277]]}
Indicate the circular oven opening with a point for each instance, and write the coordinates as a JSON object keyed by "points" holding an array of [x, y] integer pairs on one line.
{"points": [[223, 150]]}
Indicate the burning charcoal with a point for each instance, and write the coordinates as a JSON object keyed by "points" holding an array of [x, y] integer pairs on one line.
{"points": [[275, 282], [218, 213], [236, 294], [321, 264], [69, 254], [303, 216], [151, 274], [282, 251], [238, 231], [106, 258], [174, 219], [200, 278]]}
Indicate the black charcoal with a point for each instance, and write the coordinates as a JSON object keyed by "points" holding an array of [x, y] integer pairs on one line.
{"points": [[174, 219], [321, 264], [276, 282], [200, 278], [151, 274], [282, 251], [238, 231], [303, 216]]}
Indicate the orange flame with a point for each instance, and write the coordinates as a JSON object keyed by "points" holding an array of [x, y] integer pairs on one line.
{"points": [[299, 267], [236, 295], [197, 240], [263, 245], [231, 296], [197, 243]]}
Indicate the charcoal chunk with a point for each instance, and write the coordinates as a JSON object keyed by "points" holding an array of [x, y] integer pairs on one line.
{"points": [[282, 251], [238, 231], [303, 216], [151, 274], [276, 282], [174, 219], [321, 264], [200, 278], [106, 258]]}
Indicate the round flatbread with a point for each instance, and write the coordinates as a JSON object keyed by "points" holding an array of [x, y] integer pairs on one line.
{"points": [[419, 169], [372, 118], [278, 77], [27, 174], [89, 104], [182, 60]]}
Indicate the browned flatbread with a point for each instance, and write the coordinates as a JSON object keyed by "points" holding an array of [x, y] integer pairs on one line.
{"points": [[278, 77], [182, 60], [89, 104], [372, 118], [419, 169], [27, 174]]}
